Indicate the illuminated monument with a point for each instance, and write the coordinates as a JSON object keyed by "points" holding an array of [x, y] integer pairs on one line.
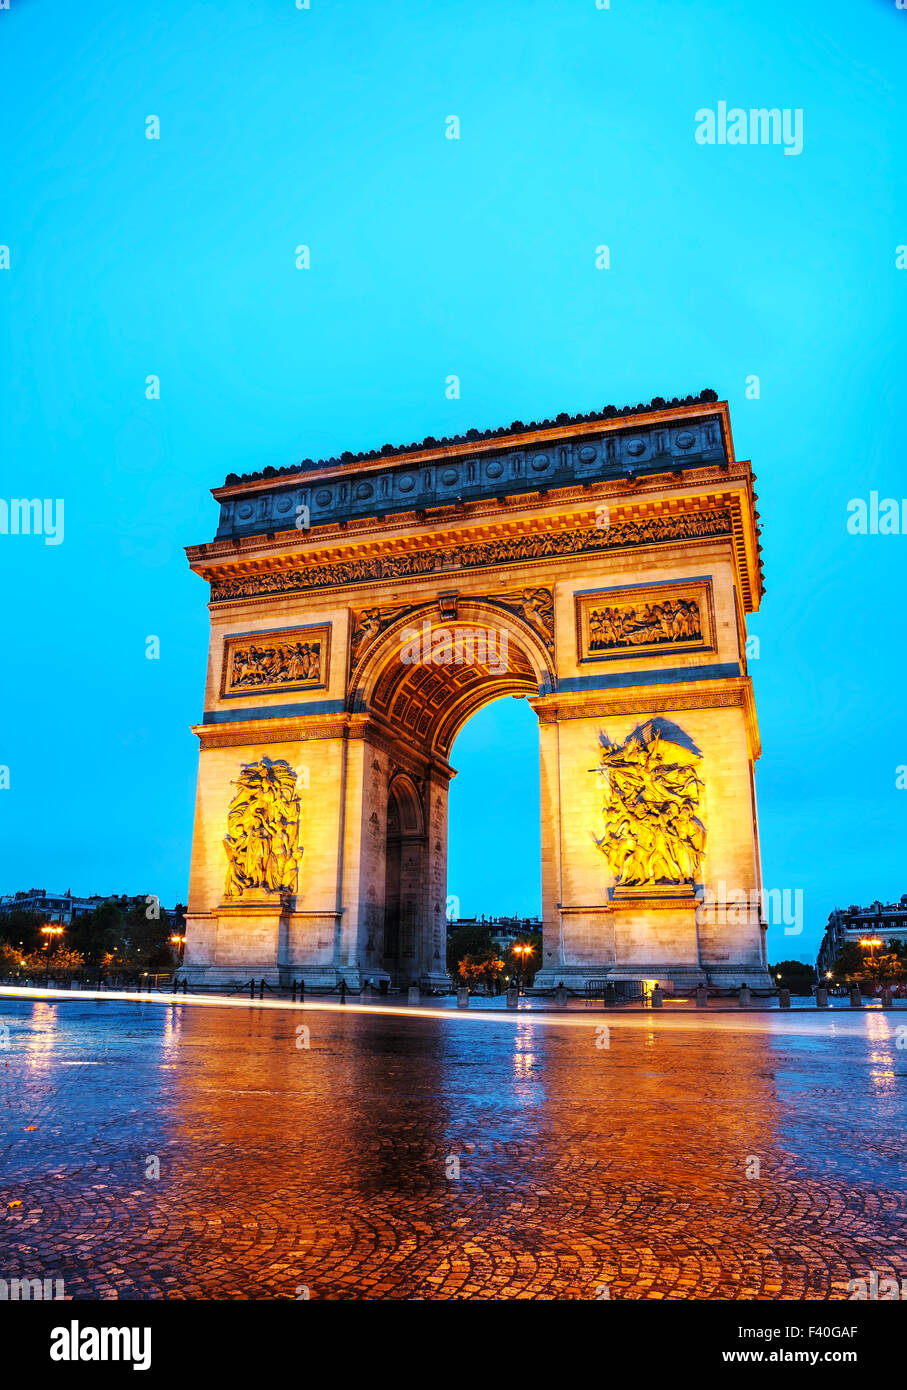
{"points": [[363, 608]]}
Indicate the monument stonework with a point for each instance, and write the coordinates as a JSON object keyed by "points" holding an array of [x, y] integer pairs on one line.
{"points": [[362, 609]]}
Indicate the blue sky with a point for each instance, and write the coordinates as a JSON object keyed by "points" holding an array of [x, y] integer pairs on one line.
{"points": [[430, 257]]}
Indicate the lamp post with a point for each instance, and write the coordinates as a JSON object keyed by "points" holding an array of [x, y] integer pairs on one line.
{"points": [[522, 952], [49, 933], [869, 943], [179, 941]]}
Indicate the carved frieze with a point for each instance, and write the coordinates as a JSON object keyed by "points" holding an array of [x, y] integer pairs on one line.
{"points": [[498, 550], [644, 620], [265, 663]]}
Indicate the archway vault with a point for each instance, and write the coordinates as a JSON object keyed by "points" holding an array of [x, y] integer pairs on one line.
{"points": [[433, 667]]}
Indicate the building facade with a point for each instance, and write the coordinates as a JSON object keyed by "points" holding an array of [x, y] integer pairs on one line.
{"points": [[64, 908], [363, 608], [885, 921]]}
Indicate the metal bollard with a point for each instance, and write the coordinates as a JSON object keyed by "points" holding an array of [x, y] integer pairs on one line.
{"points": [[302, 991], [783, 998], [261, 990], [463, 997], [856, 999], [251, 989], [343, 991], [821, 997]]}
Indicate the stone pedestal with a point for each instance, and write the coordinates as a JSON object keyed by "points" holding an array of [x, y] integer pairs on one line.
{"points": [[463, 997], [783, 998], [821, 997], [513, 998]]}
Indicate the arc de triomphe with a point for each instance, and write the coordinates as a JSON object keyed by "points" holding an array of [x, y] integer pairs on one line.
{"points": [[363, 608]]}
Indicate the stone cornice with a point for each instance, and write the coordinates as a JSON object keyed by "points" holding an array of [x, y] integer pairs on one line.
{"points": [[241, 576], [256, 733], [734, 692]]}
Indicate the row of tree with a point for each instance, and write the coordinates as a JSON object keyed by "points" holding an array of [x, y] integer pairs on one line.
{"points": [[474, 959], [123, 937], [856, 965]]}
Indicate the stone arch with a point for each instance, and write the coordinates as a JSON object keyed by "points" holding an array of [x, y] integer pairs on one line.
{"points": [[429, 702]]}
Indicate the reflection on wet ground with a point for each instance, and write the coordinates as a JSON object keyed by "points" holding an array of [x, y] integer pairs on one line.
{"points": [[206, 1152]]}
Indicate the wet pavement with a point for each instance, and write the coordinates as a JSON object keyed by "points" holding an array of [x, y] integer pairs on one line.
{"points": [[179, 1150]]}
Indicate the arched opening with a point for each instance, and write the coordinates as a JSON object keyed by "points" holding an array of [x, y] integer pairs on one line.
{"points": [[494, 815], [405, 860], [417, 680]]}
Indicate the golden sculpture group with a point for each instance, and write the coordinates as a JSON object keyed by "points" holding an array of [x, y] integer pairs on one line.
{"points": [[671, 621], [262, 840], [253, 665], [652, 833]]}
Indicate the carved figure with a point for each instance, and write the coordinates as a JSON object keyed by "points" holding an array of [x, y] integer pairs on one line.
{"points": [[255, 666], [262, 840], [673, 620], [652, 832]]}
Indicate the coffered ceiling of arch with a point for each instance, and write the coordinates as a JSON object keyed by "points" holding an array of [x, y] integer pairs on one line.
{"points": [[425, 700]]}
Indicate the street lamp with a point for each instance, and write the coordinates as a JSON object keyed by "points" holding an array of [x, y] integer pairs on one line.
{"points": [[522, 952], [49, 933], [179, 941], [869, 943]]}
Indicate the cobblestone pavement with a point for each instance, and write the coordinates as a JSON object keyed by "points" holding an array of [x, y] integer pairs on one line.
{"points": [[729, 1157]]}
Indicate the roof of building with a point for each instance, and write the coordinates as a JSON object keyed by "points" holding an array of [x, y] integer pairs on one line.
{"points": [[609, 412]]}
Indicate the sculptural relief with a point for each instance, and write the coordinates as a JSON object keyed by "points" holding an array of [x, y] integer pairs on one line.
{"points": [[262, 840], [638, 621], [653, 833], [535, 606], [671, 621], [291, 659], [473, 555]]}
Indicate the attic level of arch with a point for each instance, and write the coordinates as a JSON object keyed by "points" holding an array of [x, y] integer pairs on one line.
{"points": [[439, 479]]}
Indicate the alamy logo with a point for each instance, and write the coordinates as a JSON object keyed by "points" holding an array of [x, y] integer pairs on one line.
{"points": [[23, 517], [722, 906], [29, 1290], [75, 1343], [758, 126], [457, 646]]}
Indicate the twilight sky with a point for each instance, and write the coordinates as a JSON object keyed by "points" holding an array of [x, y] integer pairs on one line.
{"points": [[430, 257]]}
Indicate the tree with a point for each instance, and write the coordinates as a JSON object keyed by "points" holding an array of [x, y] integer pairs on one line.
{"points": [[796, 976], [481, 969], [857, 965], [22, 926], [146, 940], [474, 938], [99, 933]]}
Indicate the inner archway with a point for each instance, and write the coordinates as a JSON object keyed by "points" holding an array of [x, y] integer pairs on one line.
{"points": [[405, 860], [494, 819], [418, 680]]}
